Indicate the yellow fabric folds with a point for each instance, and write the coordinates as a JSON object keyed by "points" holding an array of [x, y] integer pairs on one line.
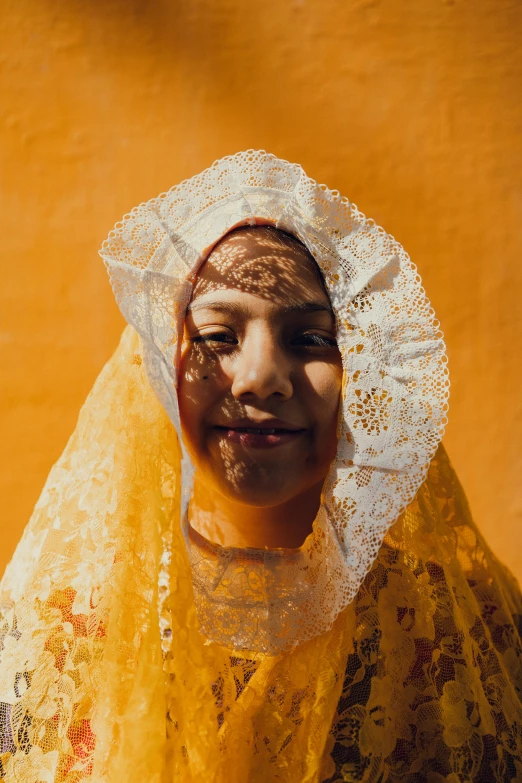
{"points": [[418, 680]]}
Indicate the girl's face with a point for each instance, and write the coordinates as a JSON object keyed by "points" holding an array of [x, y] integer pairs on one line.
{"points": [[261, 372]]}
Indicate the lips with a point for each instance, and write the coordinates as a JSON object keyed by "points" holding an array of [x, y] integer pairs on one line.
{"points": [[266, 434]]}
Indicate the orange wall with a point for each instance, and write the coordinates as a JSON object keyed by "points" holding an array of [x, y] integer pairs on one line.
{"points": [[411, 108]]}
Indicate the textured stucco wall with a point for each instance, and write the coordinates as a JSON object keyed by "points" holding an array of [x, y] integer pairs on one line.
{"points": [[412, 109]]}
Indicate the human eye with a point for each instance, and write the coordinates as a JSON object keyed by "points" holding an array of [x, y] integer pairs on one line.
{"points": [[214, 338], [314, 340]]}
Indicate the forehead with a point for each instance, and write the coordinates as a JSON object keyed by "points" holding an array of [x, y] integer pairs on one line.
{"points": [[264, 262]]}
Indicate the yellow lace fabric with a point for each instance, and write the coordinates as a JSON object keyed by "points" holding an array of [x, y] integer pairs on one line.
{"points": [[105, 676]]}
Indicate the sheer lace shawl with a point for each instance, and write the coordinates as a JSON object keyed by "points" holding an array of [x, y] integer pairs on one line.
{"points": [[418, 679]]}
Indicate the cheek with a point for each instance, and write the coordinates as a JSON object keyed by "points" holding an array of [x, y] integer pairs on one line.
{"points": [[198, 391], [324, 383]]}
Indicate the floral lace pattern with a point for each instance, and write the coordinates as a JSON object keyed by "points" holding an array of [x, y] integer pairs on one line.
{"points": [[78, 613], [418, 681], [395, 385], [433, 685]]}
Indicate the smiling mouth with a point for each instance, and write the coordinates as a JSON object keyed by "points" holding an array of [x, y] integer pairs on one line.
{"points": [[260, 437]]}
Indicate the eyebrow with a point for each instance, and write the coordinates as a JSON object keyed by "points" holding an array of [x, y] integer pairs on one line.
{"points": [[227, 307]]}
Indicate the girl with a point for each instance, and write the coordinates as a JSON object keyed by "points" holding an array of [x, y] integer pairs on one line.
{"points": [[253, 561]]}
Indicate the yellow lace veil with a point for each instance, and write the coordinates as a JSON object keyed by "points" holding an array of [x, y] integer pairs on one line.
{"points": [[105, 674]]}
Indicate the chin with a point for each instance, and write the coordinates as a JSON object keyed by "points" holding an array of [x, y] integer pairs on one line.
{"points": [[259, 496]]}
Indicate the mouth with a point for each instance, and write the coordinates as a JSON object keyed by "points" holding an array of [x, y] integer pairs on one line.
{"points": [[266, 435]]}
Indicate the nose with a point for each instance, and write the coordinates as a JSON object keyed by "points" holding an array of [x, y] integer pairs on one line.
{"points": [[261, 369]]}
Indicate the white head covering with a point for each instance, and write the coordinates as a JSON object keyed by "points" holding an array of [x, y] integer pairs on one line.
{"points": [[395, 384]]}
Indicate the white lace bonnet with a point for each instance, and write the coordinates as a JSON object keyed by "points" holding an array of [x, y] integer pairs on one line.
{"points": [[395, 384]]}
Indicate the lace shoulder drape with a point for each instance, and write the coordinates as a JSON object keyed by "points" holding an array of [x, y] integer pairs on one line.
{"points": [[418, 680]]}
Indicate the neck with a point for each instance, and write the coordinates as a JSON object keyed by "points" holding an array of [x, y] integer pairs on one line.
{"points": [[228, 523]]}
